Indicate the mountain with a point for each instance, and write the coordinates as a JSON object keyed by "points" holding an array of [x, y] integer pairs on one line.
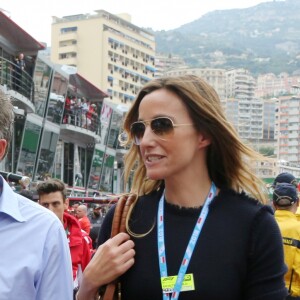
{"points": [[263, 38]]}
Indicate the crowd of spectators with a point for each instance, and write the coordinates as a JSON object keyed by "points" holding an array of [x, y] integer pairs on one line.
{"points": [[81, 112]]}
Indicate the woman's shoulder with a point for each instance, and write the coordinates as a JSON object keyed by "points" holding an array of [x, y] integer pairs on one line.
{"points": [[147, 201], [240, 202]]}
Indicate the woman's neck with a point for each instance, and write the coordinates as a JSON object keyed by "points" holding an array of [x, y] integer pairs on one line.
{"points": [[186, 194]]}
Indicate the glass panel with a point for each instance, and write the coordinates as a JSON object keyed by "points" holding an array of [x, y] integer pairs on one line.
{"points": [[85, 156], [18, 134], [107, 173], [68, 163], [105, 116], [47, 153], [58, 160], [29, 149], [57, 98], [96, 170], [114, 131], [41, 77]]}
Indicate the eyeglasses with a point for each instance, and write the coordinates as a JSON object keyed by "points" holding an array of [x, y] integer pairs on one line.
{"points": [[163, 127]]}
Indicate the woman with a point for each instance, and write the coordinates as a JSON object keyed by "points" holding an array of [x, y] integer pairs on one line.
{"points": [[193, 219]]}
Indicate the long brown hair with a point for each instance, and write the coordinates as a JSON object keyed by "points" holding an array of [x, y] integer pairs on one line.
{"points": [[228, 158]]}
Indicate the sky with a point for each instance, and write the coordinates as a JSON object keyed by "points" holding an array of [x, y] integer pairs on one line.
{"points": [[35, 16]]}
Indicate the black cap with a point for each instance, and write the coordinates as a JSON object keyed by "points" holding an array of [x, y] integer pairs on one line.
{"points": [[285, 177], [285, 194]]}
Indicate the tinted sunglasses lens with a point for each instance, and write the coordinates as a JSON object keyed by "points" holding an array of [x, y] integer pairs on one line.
{"points": [[162, 126], [137, 131]]}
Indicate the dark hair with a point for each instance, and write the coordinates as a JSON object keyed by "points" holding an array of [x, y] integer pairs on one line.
{"points": [[52, 186], [27, 194]]}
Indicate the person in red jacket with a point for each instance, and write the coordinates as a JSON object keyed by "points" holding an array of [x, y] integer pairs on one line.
{"points": [[84, 222], [52, 195]]}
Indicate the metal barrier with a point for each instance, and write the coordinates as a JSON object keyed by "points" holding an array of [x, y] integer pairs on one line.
{"points": [[78, 117]]}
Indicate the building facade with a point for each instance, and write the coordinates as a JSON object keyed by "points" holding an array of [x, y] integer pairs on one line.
{"points": [[215, 77], [288, 131], [55, 133], [107, 49], [269, 85]]}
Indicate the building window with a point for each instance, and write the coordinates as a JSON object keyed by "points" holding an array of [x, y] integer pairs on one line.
{"points": [[68, 30]]}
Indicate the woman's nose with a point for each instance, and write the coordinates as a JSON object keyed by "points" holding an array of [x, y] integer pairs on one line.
{"points": [[148, 136]]}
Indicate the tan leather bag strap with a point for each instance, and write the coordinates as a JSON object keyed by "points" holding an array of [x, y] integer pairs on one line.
{"points": [[119, 225]]}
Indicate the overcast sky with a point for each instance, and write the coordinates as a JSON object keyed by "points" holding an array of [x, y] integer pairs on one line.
{"points": [[35, 16]]}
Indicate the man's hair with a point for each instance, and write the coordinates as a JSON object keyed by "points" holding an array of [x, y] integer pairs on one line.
{"points": [[52, 186], [27, 193], [6, 119]]}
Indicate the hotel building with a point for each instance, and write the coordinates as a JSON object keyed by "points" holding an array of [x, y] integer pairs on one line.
{"points": [[108, 50]]}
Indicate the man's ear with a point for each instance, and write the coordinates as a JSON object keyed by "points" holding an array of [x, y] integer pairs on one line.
{"points": [[66, 204], [3, 145]]}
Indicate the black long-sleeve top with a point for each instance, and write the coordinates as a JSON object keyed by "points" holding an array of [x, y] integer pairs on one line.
{"points": [[238, 256]]}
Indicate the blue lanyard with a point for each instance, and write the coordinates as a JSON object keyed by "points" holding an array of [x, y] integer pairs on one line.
{"points": [[190, 247]]}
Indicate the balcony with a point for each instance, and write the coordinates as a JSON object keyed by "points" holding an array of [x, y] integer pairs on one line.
{"points": [[18, 85], [68, 49], [68, 36], [79, 127]]}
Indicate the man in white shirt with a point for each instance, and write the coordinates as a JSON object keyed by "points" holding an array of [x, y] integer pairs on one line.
{"points": [[35, 261]]}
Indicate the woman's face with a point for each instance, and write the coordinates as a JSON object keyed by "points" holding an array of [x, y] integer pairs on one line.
{"points": [[178, 154]]}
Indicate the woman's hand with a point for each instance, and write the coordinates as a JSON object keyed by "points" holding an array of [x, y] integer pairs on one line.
{"points": [[112, 259]]}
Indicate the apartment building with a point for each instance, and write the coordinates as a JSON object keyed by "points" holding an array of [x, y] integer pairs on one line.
{"points": [[240, 84], [247, 117], [288, 130], [271, 85], [164, 63], [108, 50], [215, 77]]}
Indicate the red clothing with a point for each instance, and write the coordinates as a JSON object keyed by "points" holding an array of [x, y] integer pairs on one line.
{"points": [[79, 245], [85, 224], [90, 112], [68, 103], [88, 249]]}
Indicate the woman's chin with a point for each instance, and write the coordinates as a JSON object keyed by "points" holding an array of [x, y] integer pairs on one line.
{"points": [[154, 176]]}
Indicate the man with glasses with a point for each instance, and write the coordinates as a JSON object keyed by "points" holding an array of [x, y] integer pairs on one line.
{"points": [[35, 258], [286, 202]]}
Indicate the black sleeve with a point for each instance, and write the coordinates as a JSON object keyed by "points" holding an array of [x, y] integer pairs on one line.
{"points": [[266, 262]]}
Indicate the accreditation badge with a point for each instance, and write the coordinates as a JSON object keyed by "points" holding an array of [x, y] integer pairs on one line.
{"points": [[168, 283]]}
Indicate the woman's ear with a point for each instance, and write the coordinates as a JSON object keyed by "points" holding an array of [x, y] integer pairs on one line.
{"points": [[3, 145], [203, 141]]}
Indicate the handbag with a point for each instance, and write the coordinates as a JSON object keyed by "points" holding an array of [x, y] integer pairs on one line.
{"points": [[125, 202]]}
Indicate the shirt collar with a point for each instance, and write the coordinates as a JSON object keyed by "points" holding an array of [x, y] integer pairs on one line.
{"points": [[285, 213], [9, 203]]}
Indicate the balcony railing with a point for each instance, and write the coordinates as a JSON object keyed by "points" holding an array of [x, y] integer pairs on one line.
{"points": [[15, 79], [80, 118]]}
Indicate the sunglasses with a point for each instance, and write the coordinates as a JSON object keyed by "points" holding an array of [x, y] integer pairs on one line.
{"points": [[163, 127]]}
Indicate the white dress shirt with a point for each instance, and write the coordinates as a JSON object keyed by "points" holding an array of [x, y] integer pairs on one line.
{"points": [[35, 262]]}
